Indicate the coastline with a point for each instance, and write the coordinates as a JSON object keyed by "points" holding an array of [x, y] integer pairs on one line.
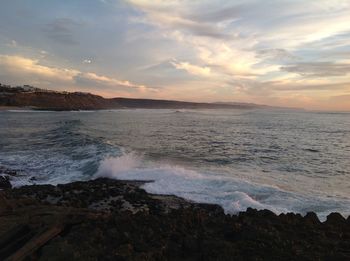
{"points": [[119, 220]]}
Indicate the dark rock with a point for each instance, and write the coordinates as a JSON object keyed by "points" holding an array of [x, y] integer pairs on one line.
{"points": [[312, 218], [8, 172], [116, 220], [5, 182], [14, 238], [291, 218], [124, 250], [335, 219]]}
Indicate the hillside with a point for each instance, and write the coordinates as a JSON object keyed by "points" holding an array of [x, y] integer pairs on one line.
{"points": [[28, 96]]}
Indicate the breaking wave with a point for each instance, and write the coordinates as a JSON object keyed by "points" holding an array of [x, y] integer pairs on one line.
{"points": [[233, 194], [236, 159]]}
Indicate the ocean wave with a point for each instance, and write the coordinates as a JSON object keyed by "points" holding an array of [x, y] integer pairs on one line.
{"points": [[256, 160], [234, 195]]}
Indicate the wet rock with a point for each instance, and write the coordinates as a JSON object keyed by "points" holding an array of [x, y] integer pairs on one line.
{"points": [[5, 182], [7, 171]]}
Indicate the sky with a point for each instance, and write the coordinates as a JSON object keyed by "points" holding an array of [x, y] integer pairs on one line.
{"points": [[293, 53]]}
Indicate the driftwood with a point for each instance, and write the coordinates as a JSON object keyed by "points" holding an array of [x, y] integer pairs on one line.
{"points": [[21, 236], [13, 239], [33, 245]]}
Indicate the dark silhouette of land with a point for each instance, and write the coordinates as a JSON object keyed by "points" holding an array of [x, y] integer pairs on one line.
{"points": [[35, 98]]}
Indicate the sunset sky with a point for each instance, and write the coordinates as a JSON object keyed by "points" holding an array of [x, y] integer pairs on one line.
{"points": [[279, 52]]}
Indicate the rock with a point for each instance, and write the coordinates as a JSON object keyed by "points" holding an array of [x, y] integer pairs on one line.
{"points": [[291, 218], [124, 250], [12, 239], [312, 218], [116, 220], [335, 219], [7, 171], [5, 182]]}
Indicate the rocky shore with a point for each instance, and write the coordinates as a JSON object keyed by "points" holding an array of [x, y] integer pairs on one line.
{"points": [[117, 220]]}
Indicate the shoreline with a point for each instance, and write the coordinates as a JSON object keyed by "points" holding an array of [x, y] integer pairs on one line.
{"points": [[118, 219], [35, 109]]}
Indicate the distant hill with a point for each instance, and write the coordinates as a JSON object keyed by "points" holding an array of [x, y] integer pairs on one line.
{"points": [[32, 97]]}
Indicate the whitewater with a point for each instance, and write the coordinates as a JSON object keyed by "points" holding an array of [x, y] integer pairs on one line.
{"points": [[285, 161]]}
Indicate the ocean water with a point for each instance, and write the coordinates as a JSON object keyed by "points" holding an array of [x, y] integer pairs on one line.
{"points": [[267, 159]]}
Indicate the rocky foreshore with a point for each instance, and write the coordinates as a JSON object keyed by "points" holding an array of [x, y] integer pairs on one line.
{"points": [[107, 219]]}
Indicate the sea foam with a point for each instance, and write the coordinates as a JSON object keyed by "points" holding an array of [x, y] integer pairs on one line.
{"points": [[233, 194], [111, 167], [190, 184]]}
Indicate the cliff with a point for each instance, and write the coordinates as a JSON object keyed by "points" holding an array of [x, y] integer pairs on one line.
{"points": [[36, 98], [57, 101]]}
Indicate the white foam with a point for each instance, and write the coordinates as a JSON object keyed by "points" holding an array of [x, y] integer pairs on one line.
{"points": [[242, 201], [54, 169], [182, 182], [232, 194], [111, 167]]}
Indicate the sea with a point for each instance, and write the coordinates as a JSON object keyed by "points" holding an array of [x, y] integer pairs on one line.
{"points": [[281, 160]]}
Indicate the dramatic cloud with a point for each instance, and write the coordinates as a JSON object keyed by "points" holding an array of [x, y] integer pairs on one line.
{"points": [[291, 52], [16, 65], [13, 67]]}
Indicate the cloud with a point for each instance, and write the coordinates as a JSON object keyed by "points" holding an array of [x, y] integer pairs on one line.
{"points": [[318, 69], [98, 79], [30, 67], [225, 49], [190, 26], [275, 54], [12, 43], [246, 50], [169, 16], [219, 14], [254, 49], [192, 69], [62, 31], [16, 67], [334, 41]]}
